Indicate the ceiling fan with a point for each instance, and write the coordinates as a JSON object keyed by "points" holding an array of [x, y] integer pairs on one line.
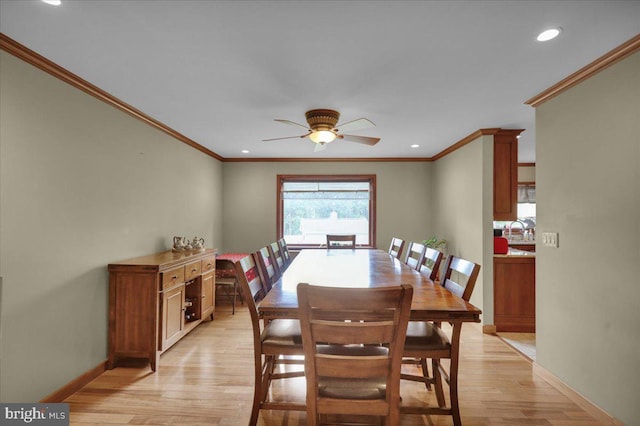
{"points": [[323, 129]]}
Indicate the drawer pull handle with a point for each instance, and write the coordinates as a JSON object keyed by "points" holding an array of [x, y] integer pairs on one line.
{"points": [[194, 270], [175, 277]]}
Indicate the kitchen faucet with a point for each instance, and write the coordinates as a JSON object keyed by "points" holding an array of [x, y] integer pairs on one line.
{"points": [[516, 221]]}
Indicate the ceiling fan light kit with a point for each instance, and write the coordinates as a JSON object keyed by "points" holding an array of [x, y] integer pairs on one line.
{"points": [[323, 128], [322, 136]]}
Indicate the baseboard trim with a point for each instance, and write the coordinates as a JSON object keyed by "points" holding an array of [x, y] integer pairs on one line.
{"points": [[76, 384], [594, 411], [489, 329]]}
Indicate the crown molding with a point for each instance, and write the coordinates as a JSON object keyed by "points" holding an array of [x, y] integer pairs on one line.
{"points": [[326, 160], [22, 52], [606, 60], [464, 141]]}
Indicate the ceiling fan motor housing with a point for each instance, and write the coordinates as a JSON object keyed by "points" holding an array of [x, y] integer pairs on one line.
{"points": [[322, 119]]}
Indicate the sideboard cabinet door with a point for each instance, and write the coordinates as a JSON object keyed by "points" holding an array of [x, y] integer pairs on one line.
{"points": [[208, 295], [172, 316]]}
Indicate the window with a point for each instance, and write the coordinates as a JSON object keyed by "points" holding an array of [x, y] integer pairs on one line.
{"points": [[311, 206], [527, 203]]}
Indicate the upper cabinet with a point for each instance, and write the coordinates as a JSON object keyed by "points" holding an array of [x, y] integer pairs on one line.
{"points": [[505, 174]]}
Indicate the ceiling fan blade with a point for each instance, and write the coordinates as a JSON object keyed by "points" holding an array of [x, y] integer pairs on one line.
{"points": [[287, 137], [360, 139], [320, 147], [293, 123], [360, 123]]}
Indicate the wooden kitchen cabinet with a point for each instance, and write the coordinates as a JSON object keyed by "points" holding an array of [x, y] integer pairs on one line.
{"points": [[156, 300], [526, 247], [514, 293], [505, 174]]}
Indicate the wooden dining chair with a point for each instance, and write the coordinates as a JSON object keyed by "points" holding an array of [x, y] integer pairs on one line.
{"points": [[272, 341], [227, 281], [396, 247], [268, 268], [415, 254], [427, 340], [341, 241], [276, 254], [352, 339], [430, 265], [285, 252]]}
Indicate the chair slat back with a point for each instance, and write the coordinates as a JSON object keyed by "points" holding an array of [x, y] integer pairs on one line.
{"points": [[415, 254], [252, 290], [276, 255], [267, 267], [341, 241], [225, 265], [285, 251], [249, 278], [352, 334], [396, 247], [460, 276], [431, 263]]}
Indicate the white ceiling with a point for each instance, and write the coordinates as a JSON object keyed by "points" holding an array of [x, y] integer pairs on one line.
{"points": [[426, 72]]}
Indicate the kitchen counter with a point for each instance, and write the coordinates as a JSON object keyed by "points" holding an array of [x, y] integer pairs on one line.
{"points": [[520, 242], [513, 252]]}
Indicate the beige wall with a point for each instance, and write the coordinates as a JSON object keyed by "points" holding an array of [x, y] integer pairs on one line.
{"points": [[463, 196], [81, 185], [588, 190], [249, 205], [86, 184]]}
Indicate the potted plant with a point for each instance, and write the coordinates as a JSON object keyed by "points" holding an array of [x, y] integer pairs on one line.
{"points": [[435, 243]]}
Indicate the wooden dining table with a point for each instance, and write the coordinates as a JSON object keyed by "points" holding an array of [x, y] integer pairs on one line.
{"points": [[371, 268], [363, 268]]}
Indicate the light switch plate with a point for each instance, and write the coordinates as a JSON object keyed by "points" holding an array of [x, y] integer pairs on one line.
{"points": [[550, 239]]}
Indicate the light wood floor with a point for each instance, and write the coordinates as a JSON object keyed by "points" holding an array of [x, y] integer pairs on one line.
{"points": [[206, 378], [525, 343]]}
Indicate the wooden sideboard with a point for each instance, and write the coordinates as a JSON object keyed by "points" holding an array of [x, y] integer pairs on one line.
{"points": [[155, 300]]}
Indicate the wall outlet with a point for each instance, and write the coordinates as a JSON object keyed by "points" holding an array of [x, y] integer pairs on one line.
{"points": [[550, 239]]}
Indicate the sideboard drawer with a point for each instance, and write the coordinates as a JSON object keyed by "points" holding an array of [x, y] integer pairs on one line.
{"points": [[172, 277], [192, 270], [208, 264]]}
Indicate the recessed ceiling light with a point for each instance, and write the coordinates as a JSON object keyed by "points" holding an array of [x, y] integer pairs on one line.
{"points": [[53, 2], [549, 34], [415, 145], [245, 151]]}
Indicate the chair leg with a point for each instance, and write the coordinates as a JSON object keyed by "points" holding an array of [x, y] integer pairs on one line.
{"points": [[425, 373], [257, 391], [267, 372], [230, 296], [235, 291], [435, 364], [453, 375]]}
